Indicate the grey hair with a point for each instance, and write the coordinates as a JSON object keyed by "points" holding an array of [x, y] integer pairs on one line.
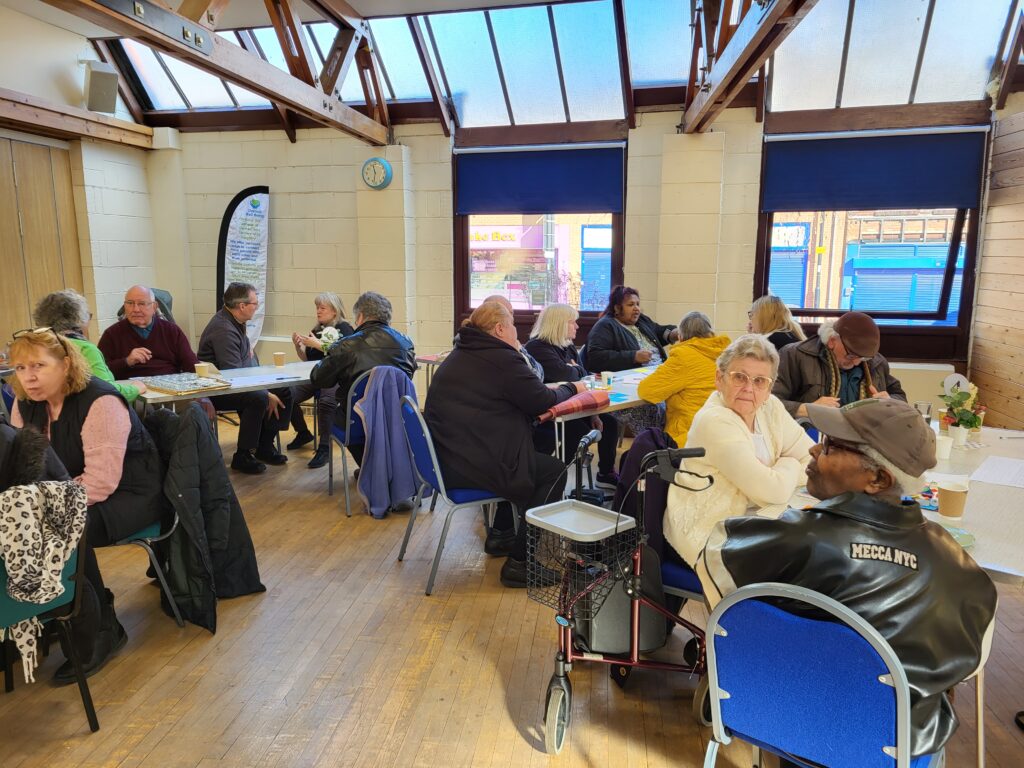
{"points": [[695, 325], [753, 346], [63, 311], [552, 322], [905, 483], [146, 288], [372, 306], [332, 300], [827, 331], [237, 293]]}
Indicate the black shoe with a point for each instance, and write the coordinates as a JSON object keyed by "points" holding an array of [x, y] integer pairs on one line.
{"points": [[499, 543], [300, 440], [607, 480], [271, 456], [319, 458], [109, 642], [513, 574], [243, 461]]}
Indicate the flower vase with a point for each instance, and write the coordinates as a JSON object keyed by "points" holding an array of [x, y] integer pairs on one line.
{"points": [[959, 435]]}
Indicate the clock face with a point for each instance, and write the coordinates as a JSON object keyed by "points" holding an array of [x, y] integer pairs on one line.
{"points": [[377, 173]]}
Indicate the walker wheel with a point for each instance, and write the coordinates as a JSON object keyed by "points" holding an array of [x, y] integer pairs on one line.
{"points": [[620, 673], [702, 702], [556, 720]]}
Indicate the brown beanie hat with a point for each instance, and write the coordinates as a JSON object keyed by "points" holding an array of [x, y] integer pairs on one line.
{"points": [[859, 334]]}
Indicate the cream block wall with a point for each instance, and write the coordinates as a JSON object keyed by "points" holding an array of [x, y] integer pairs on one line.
{"points": [[115, 224], [691, 217]]}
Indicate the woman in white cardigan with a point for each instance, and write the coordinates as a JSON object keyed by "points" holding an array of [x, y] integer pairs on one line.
{"points": [[755, 451]]}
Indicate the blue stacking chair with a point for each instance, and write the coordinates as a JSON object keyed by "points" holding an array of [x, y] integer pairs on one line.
{"points": [[6, 398], [145, 539], [428, 473], [61, 609], [831, 692], [352, 434]]}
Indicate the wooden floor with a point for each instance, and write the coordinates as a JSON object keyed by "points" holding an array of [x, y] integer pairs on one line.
{"points": [[345, 662]]}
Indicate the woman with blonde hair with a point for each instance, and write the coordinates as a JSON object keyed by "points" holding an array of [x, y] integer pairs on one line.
{"points": [[330, 313], [754, 450], [552, 345], [770, 317], [481, 405]]}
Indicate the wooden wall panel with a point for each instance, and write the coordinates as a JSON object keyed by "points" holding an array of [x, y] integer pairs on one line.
{"points": [[67, 222], [39, 241], [997, 354], [14, 302]]}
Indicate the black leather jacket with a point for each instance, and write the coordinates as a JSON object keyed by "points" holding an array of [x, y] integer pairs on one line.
{"points": [[905, 575], [610, 347], [373, 343]]}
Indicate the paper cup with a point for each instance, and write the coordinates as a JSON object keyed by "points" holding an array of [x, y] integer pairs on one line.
{"points": [[943, 447], [607, 378], [952, 500], [279, 359], [203, 369], [940, 415]]}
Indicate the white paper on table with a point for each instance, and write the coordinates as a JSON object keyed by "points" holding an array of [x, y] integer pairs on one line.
{"points": [[1000, 470], [264, 379], [944, 477]]}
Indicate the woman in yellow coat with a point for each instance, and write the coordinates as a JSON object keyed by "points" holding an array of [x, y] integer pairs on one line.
{"points": [[684, 381]]}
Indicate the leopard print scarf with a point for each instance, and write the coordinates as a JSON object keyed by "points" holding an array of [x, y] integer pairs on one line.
{"points": [[836, 377], [40, 526]]}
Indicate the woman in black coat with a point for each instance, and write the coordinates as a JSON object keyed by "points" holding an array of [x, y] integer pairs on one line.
{"points": [[551, 345], [624, 337], [482, 402]]}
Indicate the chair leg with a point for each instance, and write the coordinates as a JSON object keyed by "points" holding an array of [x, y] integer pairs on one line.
{"points": [[330, 467], [711, 756], [515, 517], [433, 501], [440, 549], [344, 480], [979, 696], [83, 685], [412, 519], [756, 756], [163, 580]]}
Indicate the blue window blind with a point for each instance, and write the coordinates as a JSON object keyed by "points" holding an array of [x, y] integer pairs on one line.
{"points": [[921, 171], [540, 181]]}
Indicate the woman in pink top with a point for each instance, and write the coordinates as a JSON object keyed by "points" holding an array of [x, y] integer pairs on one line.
{"points": [[103, 446]]}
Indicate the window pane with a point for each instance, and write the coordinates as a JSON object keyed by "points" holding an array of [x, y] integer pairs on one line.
{"points": [[397, 52], [805, 69], [465, 48], [871, 261], [267, 39], [202, 89], [658, 32], [351, 90], [528, 61], [247, 98], [884, 42], [158, 87], [536, 260], [590, 60], [961, 49]]}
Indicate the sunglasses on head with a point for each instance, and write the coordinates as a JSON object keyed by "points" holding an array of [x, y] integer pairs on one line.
{"points": [[43, 329]]}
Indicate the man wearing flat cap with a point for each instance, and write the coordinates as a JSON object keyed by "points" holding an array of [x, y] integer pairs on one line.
{"points": [[841, 365], [865, 547]]}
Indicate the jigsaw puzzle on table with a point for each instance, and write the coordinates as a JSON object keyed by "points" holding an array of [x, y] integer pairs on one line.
{"points": [[183, 383]]}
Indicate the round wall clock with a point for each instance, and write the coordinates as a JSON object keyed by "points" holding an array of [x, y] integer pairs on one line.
{"points": [[377, 173]]}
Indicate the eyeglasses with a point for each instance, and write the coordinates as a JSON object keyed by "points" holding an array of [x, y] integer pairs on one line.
{"points": [[142, 304], [849, 357], [740, 379], [44, 329], [829, 444]]}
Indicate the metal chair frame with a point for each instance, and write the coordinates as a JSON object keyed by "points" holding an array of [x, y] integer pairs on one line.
{"points": [[146, 543], [349, 402], [439, 491]]}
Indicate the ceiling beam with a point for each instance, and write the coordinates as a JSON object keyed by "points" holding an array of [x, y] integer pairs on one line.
{"points": [[341, 13], [284, 117], [878, 118], [127, 94], [369, 78], [290, 36], [433, 83], [205, 12], [21, 111], [1013, 54], [223, 59], [759, 33], [544, 133], [338, 60], [625, 76]]}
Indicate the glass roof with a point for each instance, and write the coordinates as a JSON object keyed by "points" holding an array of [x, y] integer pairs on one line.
{"points": [[658, 32]]}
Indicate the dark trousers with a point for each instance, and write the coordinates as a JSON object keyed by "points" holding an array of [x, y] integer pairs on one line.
{"points": [[325, 405], [544, 440], [96, 610], [548, 485], [257, 429]]}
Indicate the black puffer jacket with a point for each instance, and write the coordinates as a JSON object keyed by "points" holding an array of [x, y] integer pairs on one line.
{"points": [[211, 555], [26, 457], [905, 576], [482, 402], [374, 343], [610, 347]]}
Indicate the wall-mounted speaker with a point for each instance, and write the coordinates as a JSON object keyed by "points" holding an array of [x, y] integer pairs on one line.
{"points": [[100, 87]]}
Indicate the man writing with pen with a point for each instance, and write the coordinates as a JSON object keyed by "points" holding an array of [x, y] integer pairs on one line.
{"points": [[261, 414]]}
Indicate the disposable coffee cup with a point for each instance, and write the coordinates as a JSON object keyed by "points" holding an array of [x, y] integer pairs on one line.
{"points": [[924, 407], [943, 447], [607, 378], [279, 359], [202, 369], [952, 500]]}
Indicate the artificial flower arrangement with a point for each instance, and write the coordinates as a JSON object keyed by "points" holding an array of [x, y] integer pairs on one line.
{"points": [[329, 336], [962, 407]]}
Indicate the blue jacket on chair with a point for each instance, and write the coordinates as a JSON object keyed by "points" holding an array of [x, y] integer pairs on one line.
{"points": [[387, 475]]}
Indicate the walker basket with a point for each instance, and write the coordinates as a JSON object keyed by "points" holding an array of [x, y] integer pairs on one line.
{"points": [[576, 554]]}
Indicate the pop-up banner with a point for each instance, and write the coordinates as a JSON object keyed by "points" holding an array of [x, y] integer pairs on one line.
{"points": [[242, 249]]}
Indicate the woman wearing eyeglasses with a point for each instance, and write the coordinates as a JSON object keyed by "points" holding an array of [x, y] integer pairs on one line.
{"points": [[754, 450], [103, 446]]}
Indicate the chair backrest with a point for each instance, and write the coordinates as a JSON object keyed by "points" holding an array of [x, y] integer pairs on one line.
{"points": [[12, 611], [164, 302], [7, 394], [354, 432], [422, 446], [829, 691]]}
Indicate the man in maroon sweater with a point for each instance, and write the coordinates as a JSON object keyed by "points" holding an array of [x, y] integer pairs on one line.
{"points": [[143, 344]]}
